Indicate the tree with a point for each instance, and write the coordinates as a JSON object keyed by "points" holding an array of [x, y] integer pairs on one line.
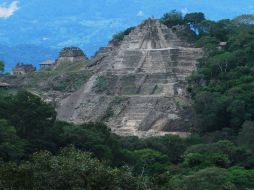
{"points": [[242, 178], [246, 134], [170, 145], [208, 179], [148, 162], [92, 137], [32, 118], [1, 66], [70, 169], [172, 18], [222, 63], [237, 108], [14, 176], [222, 29], [210, 107], [244, 19], [218, 154], [120, 36], [11, 146], [219, 30], [194, 18], [28, 114]]}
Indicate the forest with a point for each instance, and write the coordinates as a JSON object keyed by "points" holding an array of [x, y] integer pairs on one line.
{"points": [[40, 153]]}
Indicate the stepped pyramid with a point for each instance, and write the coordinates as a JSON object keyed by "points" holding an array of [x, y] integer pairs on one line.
{"points": [[139, 85]]}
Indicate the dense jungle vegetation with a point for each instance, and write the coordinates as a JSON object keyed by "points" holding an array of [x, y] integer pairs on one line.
{"points": [[40, 153]]}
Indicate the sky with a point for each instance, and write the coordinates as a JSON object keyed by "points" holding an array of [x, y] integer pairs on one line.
{"points": [[35, 30]]}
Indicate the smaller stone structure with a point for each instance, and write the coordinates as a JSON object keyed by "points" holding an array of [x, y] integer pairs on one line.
{"points": [[22, 69], [71, 54], [47, 64]]}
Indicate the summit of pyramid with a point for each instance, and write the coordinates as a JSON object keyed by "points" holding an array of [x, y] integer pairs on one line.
{"points": [[151, 34]]}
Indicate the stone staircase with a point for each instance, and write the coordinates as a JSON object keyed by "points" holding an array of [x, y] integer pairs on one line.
{"points": [[134, 114]]}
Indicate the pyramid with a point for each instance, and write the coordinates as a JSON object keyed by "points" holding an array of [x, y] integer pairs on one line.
{"points": [[138, 86]]}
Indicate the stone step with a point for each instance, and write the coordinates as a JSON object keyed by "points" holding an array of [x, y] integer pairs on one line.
{"points": [[143, 110], [136, 116], [139, 107], [153, 71]]}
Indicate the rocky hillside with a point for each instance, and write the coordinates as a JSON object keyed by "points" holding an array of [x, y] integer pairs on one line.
{"points": [[138, 86]]}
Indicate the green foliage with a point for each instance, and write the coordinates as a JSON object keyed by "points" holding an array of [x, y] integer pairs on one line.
{"points": [[102, 84], [65, 77], [7, 92], [186, 34], [27, 113], [109, 113], [242, 178], [69, 82], [207, 42], [244, 19], [219, 30], [167, 162], [172, 146], [92, 137], [223, 81], [194, 18], [32, 118], [1, 66], [11, 146], [220, 154], [70, 169], [148, 161], [120, 36], [172, 18], [14, 176], [209, 179], [246, 134]]}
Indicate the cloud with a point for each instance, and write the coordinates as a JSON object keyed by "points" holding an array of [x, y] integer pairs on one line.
{"points": [[140, 14], [8, 10]]}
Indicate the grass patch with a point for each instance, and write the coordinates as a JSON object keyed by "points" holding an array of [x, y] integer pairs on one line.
{"points": [[102, 84], [109, 113], [105, 84], [65, 77], [180, 103], [69, 82]]}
